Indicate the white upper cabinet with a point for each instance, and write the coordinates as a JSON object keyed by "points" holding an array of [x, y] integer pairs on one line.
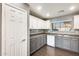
{"points": [[36, 23], [76, 22], [48, 24], [33, 22]]}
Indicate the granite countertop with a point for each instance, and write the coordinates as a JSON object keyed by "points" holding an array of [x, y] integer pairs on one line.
{"points": [[39, 33], [58, 33], [64, 33]]}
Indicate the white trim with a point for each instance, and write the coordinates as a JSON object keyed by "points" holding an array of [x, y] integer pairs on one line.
{"points": [[14, 6]]}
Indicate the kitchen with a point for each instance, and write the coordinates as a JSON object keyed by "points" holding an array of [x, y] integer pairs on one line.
{"points": [[54, 29], [39, 29]]}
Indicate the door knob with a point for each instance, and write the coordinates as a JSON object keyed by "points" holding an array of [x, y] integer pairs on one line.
{"points": [[23, 40]]}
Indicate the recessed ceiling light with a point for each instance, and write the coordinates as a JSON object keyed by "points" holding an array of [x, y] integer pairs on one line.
{"points": [[39, 7], [47, 14], [72, 7]]}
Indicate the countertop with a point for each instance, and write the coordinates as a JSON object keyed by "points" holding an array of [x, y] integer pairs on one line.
{"points": [[39, 33], [58, 33], [64, 33]]}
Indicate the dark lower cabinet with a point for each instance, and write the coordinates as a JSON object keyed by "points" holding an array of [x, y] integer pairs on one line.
{"points": [[41, 40], [69, 43], [74, 44], [44, 39], [37, 42], [58, 41], [66, 43], [33, 45]]}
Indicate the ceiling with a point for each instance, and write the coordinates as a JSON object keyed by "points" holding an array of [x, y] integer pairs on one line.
{"points": [[51, 10]]}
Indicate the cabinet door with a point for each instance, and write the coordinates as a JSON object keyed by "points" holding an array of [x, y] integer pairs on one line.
{"points": [[76, 22], [66, 43], [75, 45], [48, 24], [38, 42], [31, 22], [33, 45], [41, 40], [44, 39], [58, 41], [41, 24]]}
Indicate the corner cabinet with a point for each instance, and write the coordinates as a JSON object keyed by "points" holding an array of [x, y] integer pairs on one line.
{"points": [[36, 23], [36, 42]]}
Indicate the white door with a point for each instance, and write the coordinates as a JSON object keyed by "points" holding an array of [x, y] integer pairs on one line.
{"points": [[16, 31]]}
